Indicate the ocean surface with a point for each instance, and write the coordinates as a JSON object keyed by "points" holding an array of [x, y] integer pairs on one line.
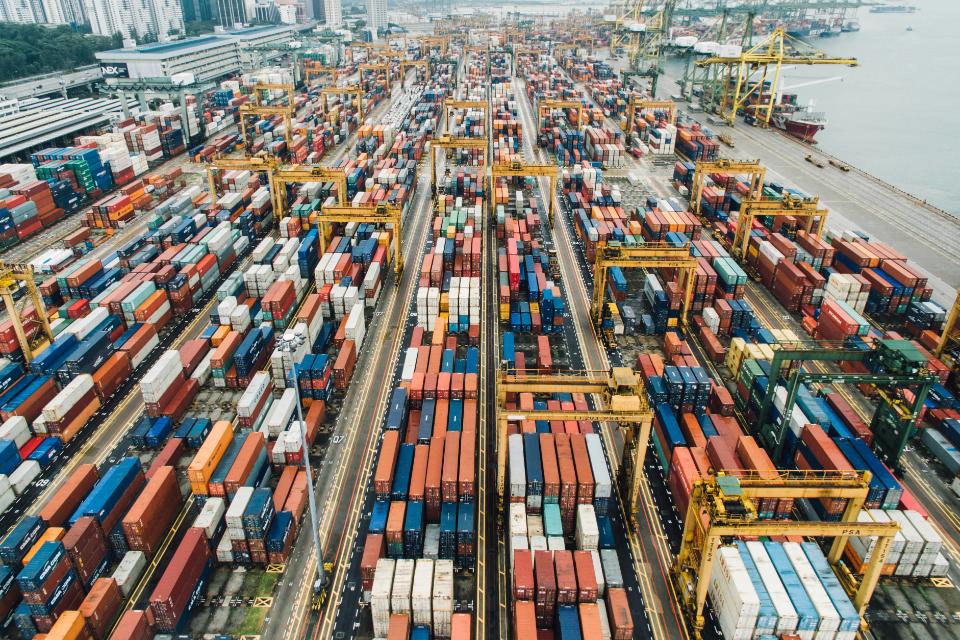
{"points": [[895, 115]]}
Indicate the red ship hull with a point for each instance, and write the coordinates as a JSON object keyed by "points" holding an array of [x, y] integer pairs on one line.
{"points": [[806, 131]]}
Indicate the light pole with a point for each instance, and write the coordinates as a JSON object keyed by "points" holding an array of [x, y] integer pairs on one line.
{"points": [[291, 348]]}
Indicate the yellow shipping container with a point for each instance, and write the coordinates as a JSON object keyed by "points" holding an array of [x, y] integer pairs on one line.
{"points": [[69, 626], [50, 535], [209, 455]]}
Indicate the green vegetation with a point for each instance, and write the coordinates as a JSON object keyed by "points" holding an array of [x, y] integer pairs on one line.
{"points": [[199, 27], [29, 49], [252, 623]]}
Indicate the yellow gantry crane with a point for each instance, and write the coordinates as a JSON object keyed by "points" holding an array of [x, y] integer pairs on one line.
{"points": [[752, 79], [950, 337], [624, 401], [351, 89], [422, 64], [807, 209], [451, 105], [638, 105], [260, 164], [313, 69], [301, 173], [384, 66], [33, 333], [258, 108], [724, 507], [546, 105], [751, 168], [447, 142], [278, 177], [430, 42], [517, 169], [378, 214], [654, 255]]}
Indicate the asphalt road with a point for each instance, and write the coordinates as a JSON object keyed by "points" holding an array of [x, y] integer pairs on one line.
{"points": [[341, 480]]}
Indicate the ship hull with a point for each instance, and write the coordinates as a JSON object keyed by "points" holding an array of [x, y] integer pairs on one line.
{"points": [[805, 131]]}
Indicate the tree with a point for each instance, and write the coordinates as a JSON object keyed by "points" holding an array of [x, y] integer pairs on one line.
{"points": [[29, 49]]}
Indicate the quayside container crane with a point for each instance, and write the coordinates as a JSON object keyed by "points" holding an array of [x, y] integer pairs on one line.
{"points": [[744, 77], [622, 399]]}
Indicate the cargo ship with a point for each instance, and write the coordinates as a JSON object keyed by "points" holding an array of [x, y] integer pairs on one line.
{"points": [[893, 8], [799, 121]]}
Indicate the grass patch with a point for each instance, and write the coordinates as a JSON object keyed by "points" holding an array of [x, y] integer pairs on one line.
{"points": [[252, 622], [266, 584]]}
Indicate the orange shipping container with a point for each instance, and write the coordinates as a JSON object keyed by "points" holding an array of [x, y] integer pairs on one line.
{"points": [[244, 462], [67, 498], [524, 620], [101, 606], [460, 626], [209, 455], [69, 626], [111, 374], [618, 613]]}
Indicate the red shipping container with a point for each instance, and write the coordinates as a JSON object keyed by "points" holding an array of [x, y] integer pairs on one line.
{"points": [[176, 586], [101, 606], [133, 625], [67, 498], [523, 583], [586, 577], [86, 545], [150, 517]]}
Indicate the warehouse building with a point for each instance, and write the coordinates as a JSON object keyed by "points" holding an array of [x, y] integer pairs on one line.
{"points": [[207, 57]]}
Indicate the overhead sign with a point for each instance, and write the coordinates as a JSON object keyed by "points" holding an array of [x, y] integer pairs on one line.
{"points": [[114, 70]]}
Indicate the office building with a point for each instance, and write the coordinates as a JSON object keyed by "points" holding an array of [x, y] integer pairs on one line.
{"points": [[135, 18]]}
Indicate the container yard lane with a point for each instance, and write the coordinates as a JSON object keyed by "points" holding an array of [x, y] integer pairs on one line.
{"points": [[342, 476], [648, 547]]}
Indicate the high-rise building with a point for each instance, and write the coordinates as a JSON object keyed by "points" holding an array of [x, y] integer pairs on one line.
{"points": [[135, 18], [333, 13], [231, 13], [53, 11], [377, 14], [18, 11]]}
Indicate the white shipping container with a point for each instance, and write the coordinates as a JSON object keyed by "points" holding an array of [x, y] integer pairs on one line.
{"points": [[380, 596], [518, 519], [787, 618], [914, 542], [932, 541], [829, 618], [6, 499], [603, 488], [258, 387], [128, 572], [735, 601], [75, 391], [25, 473], [237, 506], [442, 598], [421, 596], [210, 516], [402, 586], [598, 572], [16, 429], [587, 532], [518, 473]]}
